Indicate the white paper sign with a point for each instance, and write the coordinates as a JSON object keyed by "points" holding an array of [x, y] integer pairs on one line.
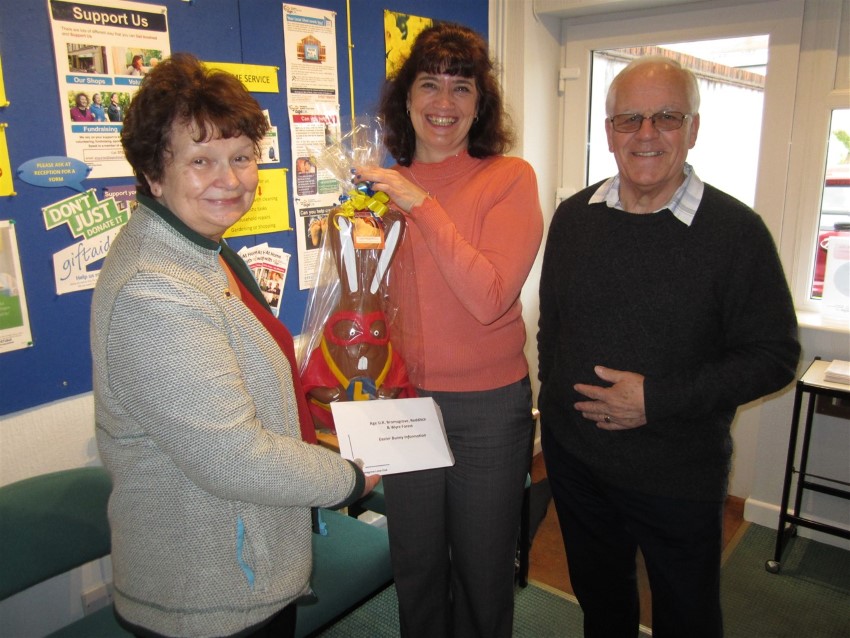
{"points": [[835, 305], [392, 435]]}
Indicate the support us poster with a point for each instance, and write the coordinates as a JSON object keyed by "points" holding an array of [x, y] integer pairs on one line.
{"points": [[102, 51]]}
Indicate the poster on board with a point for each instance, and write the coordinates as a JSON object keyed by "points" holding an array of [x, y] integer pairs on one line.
{"points": [[95, 223], [102, 52], [400, 31], [15, 330], [312, 81]]}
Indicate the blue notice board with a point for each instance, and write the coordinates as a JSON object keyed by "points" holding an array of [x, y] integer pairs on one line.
{"points": [[58, 364]]}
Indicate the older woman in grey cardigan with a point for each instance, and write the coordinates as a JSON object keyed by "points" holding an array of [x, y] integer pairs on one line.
{"points": [[200, 417]]}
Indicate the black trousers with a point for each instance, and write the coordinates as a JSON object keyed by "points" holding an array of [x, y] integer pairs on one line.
{"points": [[453, 531], [603, 527]]}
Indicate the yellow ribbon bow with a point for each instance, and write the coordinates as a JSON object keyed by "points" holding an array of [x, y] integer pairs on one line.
{"points": [[359, 201]]}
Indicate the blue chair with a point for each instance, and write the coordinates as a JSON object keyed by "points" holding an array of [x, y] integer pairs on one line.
{"points": [[351, 563], [50, 524]]}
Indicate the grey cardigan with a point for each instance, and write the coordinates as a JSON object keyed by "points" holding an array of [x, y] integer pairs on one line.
{"points": [[197, 423]]}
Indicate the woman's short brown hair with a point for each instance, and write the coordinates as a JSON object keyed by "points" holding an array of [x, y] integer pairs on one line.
{"points": [[182, 89], [453, 49]]}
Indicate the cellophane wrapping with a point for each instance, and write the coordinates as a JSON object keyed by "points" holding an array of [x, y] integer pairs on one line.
{"points": [[343, 354]]}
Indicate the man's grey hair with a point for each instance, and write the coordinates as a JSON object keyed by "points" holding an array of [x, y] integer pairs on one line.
{"points": [[691, 85]]}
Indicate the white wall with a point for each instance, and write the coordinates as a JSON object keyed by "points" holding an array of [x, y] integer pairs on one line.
{"points": [[48, 438], [526, 47]]}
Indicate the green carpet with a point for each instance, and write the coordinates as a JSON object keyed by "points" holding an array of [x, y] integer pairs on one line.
{"points": [[809, 598], [539, 612]]}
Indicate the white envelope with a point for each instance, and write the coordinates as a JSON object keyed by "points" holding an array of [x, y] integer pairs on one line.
{"points": [[392, 435]]}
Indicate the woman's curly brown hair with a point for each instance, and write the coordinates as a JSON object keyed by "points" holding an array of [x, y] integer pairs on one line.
{"points": [[453, 49], [182, 89]]}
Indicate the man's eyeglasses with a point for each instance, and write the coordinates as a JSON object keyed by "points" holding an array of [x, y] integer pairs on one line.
{"points": [[662, 121]]}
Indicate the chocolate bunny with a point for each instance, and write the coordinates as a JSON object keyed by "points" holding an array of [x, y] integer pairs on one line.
{"points": [[355, 360]]}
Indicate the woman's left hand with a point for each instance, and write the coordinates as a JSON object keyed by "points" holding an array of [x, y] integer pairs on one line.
{"points": [[403, 193]]}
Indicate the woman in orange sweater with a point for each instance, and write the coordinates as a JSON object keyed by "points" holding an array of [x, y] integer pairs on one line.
{"points": [[475, 226]]}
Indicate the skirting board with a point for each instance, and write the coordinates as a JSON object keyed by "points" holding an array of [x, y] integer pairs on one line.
{"points": [[767, 515]]}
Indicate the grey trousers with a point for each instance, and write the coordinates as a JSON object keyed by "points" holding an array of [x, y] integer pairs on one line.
{"points": [[453, 531]]}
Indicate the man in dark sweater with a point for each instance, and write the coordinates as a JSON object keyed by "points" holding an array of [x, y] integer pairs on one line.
{"points": [[663, 307]]}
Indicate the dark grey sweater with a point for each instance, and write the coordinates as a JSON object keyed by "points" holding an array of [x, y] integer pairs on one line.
{"points": [[702, 311]]}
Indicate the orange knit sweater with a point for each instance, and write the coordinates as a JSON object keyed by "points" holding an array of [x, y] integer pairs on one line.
{"points": [[472, 244]]}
